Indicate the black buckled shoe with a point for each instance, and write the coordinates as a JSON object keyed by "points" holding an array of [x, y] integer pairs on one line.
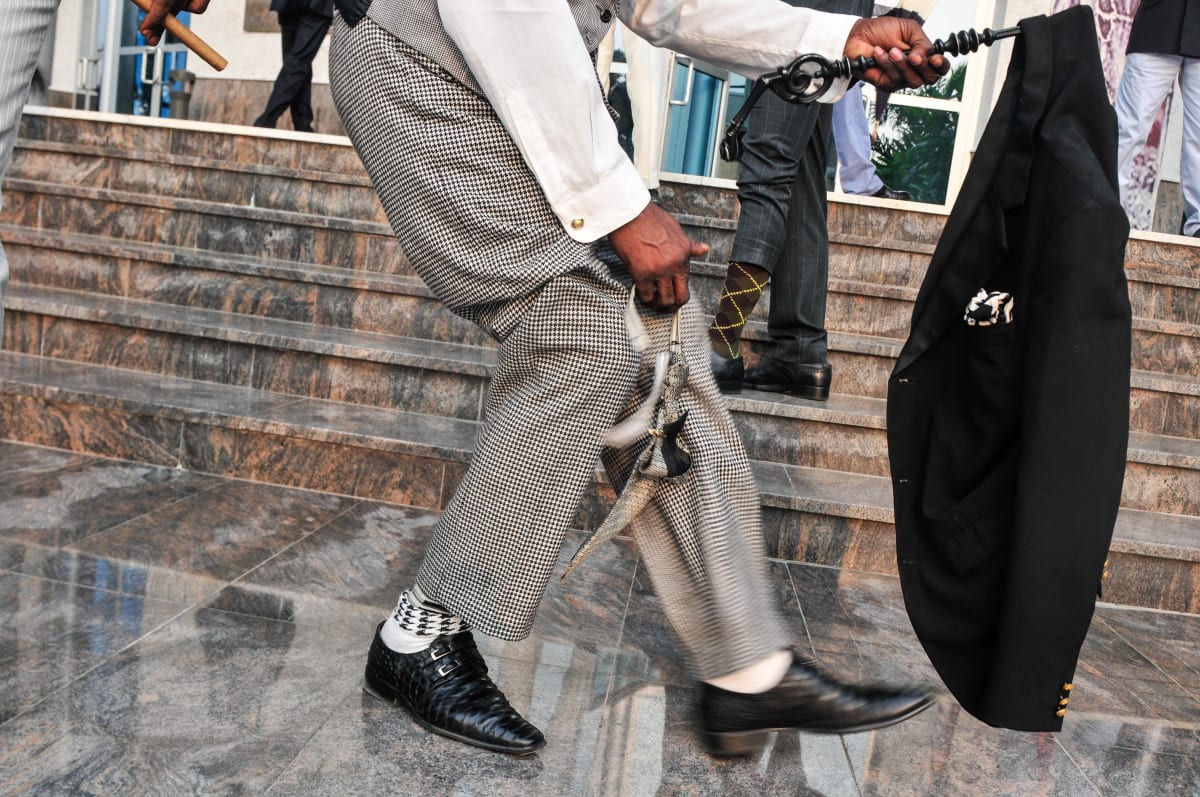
{"points": [[728, 373], [807, 380], [806, 699], [447, 690]]}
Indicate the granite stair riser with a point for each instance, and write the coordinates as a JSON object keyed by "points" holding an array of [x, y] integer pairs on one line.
{"points": [[1158, 408], [324, 154], [819, 440], [425, 481], [412, 313], [313, 193], [218, 228], [340, 375]]}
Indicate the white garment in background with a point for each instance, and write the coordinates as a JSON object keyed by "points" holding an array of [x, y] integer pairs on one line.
{"points": [[852, 136], [1147, 80]]}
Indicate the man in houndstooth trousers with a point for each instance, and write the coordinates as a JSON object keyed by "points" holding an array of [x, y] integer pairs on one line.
{"points": [[486, 135]]}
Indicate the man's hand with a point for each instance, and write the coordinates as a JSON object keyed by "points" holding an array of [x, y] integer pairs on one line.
{"points": [[152, 25], [657, 252], [888, 39]]}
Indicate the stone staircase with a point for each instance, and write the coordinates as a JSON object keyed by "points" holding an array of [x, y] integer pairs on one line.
{"points": [[232, 301]]}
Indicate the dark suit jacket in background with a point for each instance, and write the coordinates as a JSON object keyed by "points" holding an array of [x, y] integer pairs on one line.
{"points": [[1008, 443], [284, 7], [1166, 27]]}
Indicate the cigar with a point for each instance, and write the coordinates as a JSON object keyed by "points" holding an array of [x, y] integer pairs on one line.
{"points": [[193, 42]]}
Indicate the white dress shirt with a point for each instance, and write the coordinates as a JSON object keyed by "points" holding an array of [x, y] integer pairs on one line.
{"points": [[527, 57]]}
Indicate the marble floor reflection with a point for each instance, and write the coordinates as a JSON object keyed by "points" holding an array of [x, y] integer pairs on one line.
{"points": [[169, 633]]}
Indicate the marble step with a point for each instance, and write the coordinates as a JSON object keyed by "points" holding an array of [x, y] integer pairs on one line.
{"points": [[369, 368], [810, 515], [287, 290], [845, 434], [1164, 346], [197, 224], [230, 143], [399, 305], [301, 190]]}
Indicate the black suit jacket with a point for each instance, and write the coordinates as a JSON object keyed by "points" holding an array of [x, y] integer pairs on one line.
{"points": [[1166, 27], [1008, 442]]}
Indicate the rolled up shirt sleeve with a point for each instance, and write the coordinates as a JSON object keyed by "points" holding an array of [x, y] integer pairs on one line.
{"points": [[528, 58]]}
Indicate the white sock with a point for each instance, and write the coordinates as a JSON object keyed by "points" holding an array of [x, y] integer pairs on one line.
{"points": [[416, 622], [762, 676]]}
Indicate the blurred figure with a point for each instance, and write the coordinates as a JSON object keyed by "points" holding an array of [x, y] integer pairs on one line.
{"points": [[304, 24], [646, 79]]}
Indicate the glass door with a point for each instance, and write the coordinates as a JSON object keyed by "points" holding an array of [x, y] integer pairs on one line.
{"points": [[117, 72]]}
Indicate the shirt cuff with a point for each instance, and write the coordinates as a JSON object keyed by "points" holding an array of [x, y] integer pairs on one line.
{"points": [[611, 203]]}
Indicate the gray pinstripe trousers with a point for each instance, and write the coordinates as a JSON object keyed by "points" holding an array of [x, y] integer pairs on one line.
{"points": [[476, 226], [23, 26]]}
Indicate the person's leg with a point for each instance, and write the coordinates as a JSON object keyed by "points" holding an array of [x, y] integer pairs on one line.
{"points": [[302, 35], [777, 133], [799, 362], [1189, 81], [853, 138], [1145, 83], [23, 27], [310, 34]]}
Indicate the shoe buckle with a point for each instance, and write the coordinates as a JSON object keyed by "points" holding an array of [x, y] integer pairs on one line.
{"points": [[435, 654], [447, 668]]}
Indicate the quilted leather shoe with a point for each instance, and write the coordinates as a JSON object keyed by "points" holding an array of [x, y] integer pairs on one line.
{"points": [[807, 380], [728, 373], [447, 690], [806, 699]]}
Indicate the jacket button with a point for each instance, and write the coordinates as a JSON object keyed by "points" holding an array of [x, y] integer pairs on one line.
{"points": [[605, 16], [1062, 712]]}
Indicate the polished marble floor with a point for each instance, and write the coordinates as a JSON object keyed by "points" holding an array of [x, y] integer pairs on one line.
{"points": [[170, 633]]}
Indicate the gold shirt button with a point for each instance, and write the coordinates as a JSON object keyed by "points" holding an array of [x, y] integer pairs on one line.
{"points": [[577, 224]]}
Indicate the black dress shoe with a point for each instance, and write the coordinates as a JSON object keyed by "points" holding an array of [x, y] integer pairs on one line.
{"points": [[890, 193], [728, 373], [807, 380], [447, 690], [807, 699]]}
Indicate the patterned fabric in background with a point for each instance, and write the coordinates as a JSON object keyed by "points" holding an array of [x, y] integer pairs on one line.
{"points": [[1114, 19]]}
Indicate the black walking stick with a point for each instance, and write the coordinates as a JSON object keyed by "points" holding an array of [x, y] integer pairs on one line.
{"points": [[809, 77]]}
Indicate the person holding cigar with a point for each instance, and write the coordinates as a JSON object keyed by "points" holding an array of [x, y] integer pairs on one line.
{"points": [[485, 133], [23, 28]]}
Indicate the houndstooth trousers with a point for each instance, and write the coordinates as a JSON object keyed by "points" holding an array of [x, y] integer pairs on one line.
{"points": [[476, 226]]}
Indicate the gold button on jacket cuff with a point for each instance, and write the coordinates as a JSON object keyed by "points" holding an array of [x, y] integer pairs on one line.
{"points": [[577, 224]]}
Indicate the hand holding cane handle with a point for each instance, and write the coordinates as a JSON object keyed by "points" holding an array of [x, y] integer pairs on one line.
{"points": [[193, 42]]}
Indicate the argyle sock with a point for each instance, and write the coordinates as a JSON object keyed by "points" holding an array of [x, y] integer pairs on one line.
{"points": [[416, 622], [744, 284]]}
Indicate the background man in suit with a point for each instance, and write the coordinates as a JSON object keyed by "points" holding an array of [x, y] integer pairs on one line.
{"points": [[1163, 44], [304, 24], [782, 238]]}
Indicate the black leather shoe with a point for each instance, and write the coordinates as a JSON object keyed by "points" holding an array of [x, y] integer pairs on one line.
{"points": [[807, 699], [728, 373], [807, 380], [890, 193], [447, 690]]}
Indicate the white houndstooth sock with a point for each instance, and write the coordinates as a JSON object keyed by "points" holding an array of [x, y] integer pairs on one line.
{"points": [[416, 622]]}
